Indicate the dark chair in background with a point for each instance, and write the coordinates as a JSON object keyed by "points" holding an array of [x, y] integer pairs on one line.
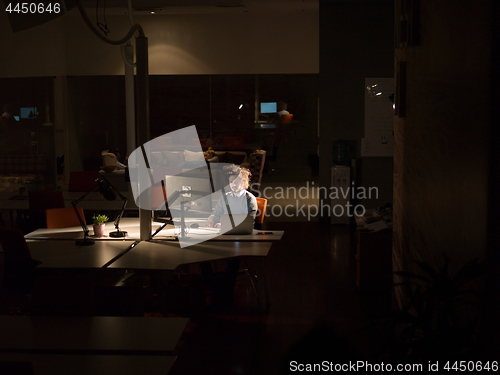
{"points": [[19, 267], [286, 119], [39, 202], [288, 131], [256, 163], [18, 271], [272, 157]]}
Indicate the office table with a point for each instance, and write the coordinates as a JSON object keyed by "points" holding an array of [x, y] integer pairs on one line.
{"points": [[90, 335], [163, 256], [128, 224], [167, 256], [66, 254], [131, 226], [56, 249], [77, 364]]}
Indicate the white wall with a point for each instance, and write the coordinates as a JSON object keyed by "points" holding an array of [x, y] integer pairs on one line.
{"points": [[35, 52], [245, 43]]}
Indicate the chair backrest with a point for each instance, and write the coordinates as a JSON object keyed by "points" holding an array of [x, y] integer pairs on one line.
{"points": [[40, 200], [14, 246], [18, 272], [256, 165], [286, 119], [261, 211], [82, 180], [158, 196], [108, 159], [64, 217]]}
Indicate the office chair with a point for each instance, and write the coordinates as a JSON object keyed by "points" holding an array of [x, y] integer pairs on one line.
{"points": [[39, 201], [19, 266], [108, 161], [63, 217], [288, 131], [286, 119], [40, 295], [259, 219], [256, 165], [273, 157]]}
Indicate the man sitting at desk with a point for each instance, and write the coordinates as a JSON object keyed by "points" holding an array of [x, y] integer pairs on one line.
{"points": [[240, 200]]}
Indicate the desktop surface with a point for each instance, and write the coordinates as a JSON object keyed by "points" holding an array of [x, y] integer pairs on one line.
{"points": [[197, 227], [66, 254]]}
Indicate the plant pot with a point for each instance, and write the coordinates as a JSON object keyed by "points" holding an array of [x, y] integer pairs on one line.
{"points": [[99, 230]]}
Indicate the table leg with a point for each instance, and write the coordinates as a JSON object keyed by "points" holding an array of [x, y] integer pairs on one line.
{"points": [[11, 214], [267, 304]]}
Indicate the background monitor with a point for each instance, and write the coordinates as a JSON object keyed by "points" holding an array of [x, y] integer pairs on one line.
{"points": [[28, 112], [268, 107]]}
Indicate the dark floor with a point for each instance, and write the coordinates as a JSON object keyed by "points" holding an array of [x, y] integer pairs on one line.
{"points": [[311, 277]]}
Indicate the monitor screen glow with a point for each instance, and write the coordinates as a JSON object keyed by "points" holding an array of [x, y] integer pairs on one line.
{"points": [[28, 112], [268, 107]]}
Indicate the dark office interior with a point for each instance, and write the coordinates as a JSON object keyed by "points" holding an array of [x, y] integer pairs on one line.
{"points": [[440, 184]]}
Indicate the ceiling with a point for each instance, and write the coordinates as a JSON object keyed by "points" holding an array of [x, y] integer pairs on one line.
{"points": [[203, 6]]}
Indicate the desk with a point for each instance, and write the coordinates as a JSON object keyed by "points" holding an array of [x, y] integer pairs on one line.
{"points": [[131, 226], [76, 364], [128, 224], [265, 125], [66, 254], [56, 249], [167, 256], [90, 335]]}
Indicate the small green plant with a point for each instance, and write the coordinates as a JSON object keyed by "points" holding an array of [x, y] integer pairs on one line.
{"points": [[99, 219]]}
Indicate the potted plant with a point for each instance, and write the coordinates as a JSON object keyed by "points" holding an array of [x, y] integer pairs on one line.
{"points": [[98, 221], [441, 316]]}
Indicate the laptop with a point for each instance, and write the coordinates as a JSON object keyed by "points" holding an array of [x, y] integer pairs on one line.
{"points": [[245, 225]]}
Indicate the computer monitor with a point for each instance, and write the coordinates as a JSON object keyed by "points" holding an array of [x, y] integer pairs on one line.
{"points": [[28, 112], [268, 107], [199, 197]]}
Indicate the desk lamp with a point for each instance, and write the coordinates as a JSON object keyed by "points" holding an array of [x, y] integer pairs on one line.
{"points": [[109, 192]]}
